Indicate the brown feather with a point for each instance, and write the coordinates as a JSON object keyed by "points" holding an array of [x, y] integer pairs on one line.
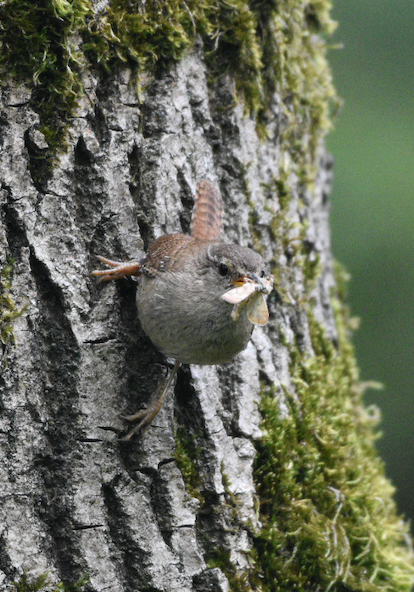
{"points": [[208, 211], [167, 253]]}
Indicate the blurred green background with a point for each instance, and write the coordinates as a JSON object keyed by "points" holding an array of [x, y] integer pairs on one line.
{"points": [[372, 211]]}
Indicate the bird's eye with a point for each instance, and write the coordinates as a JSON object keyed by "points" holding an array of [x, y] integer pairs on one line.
{"points": [[223, 269], [262, 273]]}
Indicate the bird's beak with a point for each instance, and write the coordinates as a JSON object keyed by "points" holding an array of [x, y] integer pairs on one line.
{"points": [[240, 281], [260, 285], [257, 280]]}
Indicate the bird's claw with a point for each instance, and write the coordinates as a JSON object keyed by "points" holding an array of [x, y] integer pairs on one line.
{"points": [[118, 269], [147, 415]]}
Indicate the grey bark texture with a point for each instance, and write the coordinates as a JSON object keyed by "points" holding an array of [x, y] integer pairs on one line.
{"points": [[74, 500]]}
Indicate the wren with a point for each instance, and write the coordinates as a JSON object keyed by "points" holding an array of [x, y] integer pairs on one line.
{"points": [[198, 298]]}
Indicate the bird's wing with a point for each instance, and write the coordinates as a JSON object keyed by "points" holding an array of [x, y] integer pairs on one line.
{"points": [[167, 253]]}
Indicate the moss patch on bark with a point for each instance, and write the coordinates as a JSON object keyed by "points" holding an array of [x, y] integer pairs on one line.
{"points": [[265, 46], [43, 583], [9, 311], [329, 518]]}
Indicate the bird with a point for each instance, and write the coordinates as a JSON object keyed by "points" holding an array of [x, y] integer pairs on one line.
{"points": [[198, 298]]}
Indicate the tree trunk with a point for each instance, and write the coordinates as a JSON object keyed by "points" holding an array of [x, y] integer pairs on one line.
{"points": [[257, 475]]}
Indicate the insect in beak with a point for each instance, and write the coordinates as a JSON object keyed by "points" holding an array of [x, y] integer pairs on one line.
{"points": [[250, 290]]}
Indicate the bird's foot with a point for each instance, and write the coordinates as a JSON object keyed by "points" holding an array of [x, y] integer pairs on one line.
{"points": [[118, 269], [147, 415]]}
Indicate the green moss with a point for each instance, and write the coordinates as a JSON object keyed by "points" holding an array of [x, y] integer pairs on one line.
{"points": [[286, 236], [309, 261], [231, 498], [186, 455], [297, 68], [311, 270], [8, 309], [254, 229], [220, 557], [42, 582], [142, 36], [284, 194], [264, 45], [38, 45], [329, 520]]}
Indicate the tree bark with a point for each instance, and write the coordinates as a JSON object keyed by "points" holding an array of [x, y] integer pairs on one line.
{"points": [[179, 507]]}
